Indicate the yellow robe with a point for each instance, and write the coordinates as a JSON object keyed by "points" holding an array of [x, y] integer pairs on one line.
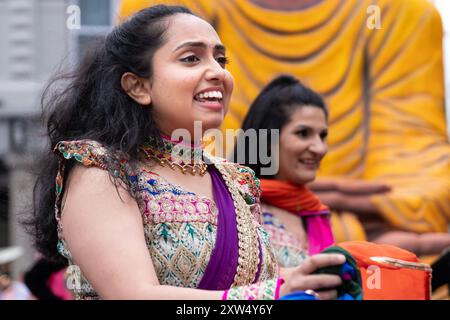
{"points": [[384, 88]]}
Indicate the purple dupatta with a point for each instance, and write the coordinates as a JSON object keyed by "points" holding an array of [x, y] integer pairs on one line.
{"points": [[221, 269]]}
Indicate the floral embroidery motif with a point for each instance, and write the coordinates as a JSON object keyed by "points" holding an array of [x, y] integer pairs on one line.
{"points": [[265, 290], [269, 268], [180, 251]]}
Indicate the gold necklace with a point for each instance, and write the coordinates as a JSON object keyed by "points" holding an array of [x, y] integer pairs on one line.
{"points": [[164, 151]]}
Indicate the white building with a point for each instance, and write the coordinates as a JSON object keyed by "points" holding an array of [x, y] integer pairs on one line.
{"points": [[36, 36]]}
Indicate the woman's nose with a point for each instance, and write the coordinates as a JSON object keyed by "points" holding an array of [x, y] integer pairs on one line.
{"points": [[319, 147], [215, 71]]}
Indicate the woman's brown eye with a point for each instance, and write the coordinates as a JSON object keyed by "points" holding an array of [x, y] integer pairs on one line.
{"points": [[302, 133], [223, 61], [190, 59]]}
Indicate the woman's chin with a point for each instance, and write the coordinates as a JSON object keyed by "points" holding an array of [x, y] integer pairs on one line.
{"points": [[303, 179], [211, 122]]}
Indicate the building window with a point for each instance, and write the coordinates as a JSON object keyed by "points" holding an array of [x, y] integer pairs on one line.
{"points": [[95, 12], [97, 18]]}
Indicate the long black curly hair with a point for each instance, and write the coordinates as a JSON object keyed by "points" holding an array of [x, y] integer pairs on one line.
{"points": [[90, 103]]}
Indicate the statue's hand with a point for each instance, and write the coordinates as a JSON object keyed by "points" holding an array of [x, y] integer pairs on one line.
{"points": [[349, 195], [420, 244], [357, 187]]}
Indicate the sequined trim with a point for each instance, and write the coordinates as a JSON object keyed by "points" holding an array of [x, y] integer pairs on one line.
{"points": [[182, 208], [248, 260]]}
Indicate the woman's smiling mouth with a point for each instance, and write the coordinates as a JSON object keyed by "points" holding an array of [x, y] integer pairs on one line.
{"points": [[310, 163], [210, 98]]}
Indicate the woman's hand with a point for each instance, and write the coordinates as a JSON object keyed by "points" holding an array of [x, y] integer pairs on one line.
{"points": [[302, 279]]}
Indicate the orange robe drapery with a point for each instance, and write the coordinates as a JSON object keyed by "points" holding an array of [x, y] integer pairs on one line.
{"points": [[384, 88]]}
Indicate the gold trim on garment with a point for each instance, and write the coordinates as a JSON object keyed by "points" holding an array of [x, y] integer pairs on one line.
{"points": [[248, 260], [402, 263]]}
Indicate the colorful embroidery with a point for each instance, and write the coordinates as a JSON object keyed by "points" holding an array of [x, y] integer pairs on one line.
{"points": [[265, 290], [249, 184], [287, 248], [248, 241], [180, 226], [87, 152], [180, 251], [269, 267]]}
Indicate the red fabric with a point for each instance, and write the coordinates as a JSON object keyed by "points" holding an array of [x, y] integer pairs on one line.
{"points": [[290, 197], [384, 281]]}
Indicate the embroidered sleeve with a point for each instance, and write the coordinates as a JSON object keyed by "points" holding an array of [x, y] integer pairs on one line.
{"points": [[89, 153], [264, 290]]}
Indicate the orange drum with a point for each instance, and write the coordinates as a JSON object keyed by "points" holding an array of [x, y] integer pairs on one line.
{"points": [[390, 273]]}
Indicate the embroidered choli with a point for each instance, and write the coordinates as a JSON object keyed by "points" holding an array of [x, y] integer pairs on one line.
{"points": [[287, 247], [180, 226]]}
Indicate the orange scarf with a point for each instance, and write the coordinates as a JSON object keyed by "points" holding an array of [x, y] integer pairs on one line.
{"points": [[290, 197], [301, 201]]}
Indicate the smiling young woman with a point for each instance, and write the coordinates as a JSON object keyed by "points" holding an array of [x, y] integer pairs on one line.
{"points": [[296, 219], [117, 198]]}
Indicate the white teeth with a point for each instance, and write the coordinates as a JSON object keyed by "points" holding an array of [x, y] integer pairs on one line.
{"points": [[210, 94]]}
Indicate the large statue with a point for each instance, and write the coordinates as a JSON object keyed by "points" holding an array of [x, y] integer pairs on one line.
{"points": [[379, 66]]}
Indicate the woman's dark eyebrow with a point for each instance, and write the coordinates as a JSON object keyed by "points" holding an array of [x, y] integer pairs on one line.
{"points": [[302, 127], [199, 44]]}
